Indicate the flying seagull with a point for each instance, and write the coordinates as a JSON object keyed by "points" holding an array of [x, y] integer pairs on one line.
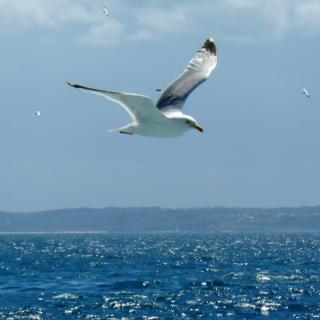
{"points": [[37, 114], [164, 119], [305, 92], [105, 11]]}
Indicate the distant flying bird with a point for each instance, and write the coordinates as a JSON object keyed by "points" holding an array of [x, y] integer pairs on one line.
{"points": [[158, 90], [305, 92], [105, 11], [164, 119], [37, 114]]}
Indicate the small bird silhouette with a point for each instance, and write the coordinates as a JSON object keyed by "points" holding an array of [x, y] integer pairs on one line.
{"points": [[305, 92], [105, 11]]}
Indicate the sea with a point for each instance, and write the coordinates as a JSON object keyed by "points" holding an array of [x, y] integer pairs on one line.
{"points": [[160, 276]]}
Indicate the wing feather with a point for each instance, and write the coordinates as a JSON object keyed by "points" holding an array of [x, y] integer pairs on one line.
{"points": [[197, 71], [138, 106]]}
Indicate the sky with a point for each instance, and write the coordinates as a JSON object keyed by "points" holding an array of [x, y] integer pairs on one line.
{"points": [[260, 146]]}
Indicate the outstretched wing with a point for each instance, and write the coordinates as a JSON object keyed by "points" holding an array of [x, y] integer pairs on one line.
{"points": [[197, 71], [138, 106]]}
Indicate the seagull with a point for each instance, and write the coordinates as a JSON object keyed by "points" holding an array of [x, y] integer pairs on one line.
{"points": [[105, 11], [305, 92], [37, 113], [164, 119]]}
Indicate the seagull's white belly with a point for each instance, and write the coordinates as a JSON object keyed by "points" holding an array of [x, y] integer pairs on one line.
{"points": [[162, 129]]}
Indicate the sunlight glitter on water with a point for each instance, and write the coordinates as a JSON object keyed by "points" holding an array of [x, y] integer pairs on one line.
{"points": [[231, 276]]}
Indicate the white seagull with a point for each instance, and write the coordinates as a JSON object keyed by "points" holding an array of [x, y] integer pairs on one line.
{"points": [[164, 119], [37, 114], [305, 92], [105, 11]]}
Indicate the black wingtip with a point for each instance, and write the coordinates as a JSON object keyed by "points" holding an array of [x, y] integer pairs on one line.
{"points": [[71, 84], [210, 46]]}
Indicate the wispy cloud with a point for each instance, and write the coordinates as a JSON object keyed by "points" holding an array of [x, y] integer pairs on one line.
{"points": [[307, 14], [235, 20], [108, 33], [15, 14], [159, 20]]}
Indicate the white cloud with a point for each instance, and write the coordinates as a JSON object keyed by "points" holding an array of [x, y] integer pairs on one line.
{"points": [[243, 3], [262, 20], [234, 20], [15, 14], [163, 20], [308, 16], [108, 33], [277, 16], [141, 35]]}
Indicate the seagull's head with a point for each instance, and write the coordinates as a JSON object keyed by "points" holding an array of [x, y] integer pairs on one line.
{"points": [[192, 123]]}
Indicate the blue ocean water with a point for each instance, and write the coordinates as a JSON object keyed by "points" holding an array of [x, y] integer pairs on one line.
{"points": [[163, 276]]}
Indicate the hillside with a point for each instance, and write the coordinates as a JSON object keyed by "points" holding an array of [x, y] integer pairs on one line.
{"points": [[218, 219]]}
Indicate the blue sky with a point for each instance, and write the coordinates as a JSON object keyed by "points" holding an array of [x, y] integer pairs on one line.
{"points": [[261, 141]]}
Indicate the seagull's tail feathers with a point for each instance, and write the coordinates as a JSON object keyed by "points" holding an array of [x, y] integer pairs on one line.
{"points": [[125, 130], [113, 130]]}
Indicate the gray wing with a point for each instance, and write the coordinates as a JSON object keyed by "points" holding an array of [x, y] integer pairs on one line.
{"points": [[197, 71], [138, 106]]}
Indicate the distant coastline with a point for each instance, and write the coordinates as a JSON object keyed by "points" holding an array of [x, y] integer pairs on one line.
{"points": [[156, 219]]}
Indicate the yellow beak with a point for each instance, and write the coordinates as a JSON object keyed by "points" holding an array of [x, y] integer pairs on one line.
{"points": [[198, 128]]}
